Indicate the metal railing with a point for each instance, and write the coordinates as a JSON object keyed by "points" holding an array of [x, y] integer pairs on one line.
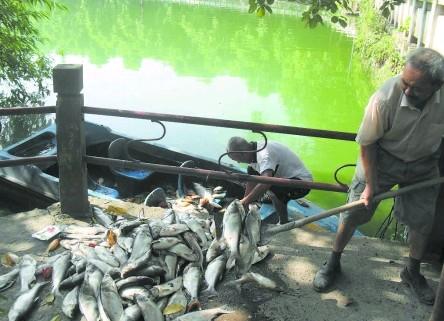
{"points": [[71, 145]]}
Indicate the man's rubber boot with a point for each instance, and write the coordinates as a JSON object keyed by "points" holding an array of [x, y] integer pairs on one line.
{"points": [[325, 277], [419, 286]]}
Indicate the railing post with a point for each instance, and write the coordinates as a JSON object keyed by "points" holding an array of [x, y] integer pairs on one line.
{"points": [[68, 83]]}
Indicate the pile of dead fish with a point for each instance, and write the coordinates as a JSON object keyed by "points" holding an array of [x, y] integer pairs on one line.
{"points": [[150, 269]]}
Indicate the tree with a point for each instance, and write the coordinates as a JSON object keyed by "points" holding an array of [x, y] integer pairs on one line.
{"points": [[23, 69], [318, 9]]}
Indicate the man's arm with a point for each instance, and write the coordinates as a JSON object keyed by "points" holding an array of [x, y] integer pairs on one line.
{"points": [[258, 190], [368, 159]]}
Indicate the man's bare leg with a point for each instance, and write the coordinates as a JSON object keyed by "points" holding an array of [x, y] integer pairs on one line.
{"points": [[281, 209]]}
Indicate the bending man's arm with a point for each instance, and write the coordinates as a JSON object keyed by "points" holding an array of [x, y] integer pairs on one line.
{"points": [[368, 160], [258, 190]]}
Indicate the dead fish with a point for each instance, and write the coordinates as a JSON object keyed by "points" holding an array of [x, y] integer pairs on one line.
{"points": [[10, 259], [105, 268], [131, 313], [156, 226], [216, 248], [151, 271], [232, 225], [83, 237], [58, 271], [166, 288], [203, 315], [198, 230], [176, 306], [214, 273], [169, 217], [184, 252], [165, 243], [253, 225], [128, 226], [173, 229], [28, 266], [261, 253], [120, 254], [149, 309], [142, 243], [191, 282], [88, 293], [134, 280], [7, 280], [130, 292], [102, 218], [194, 245], [72, 281], [71, 302], [110, 300], [171, 264], [246, 255], [24, 302], [79, 263], [260, 280], [125, 243], [131, 266], [106, 256]]}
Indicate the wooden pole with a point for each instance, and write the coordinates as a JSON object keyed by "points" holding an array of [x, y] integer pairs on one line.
{"points": [[352, 206], [68, 83]]}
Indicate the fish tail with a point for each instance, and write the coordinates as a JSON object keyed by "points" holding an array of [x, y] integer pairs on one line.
{"points": [[194, 305], [231, 262]]}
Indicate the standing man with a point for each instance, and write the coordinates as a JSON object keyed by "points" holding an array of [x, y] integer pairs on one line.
{"points": [[399, 138], [275, 160]]}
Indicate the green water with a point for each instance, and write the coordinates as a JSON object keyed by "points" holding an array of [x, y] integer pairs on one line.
{"points": [[210, 61]]}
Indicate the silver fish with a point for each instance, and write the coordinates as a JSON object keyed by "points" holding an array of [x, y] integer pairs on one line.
{"points": [[192, 275], [7, 280], [169, 217], [149, 309], [24, 302], [173, 229], [134, 280], [105, 268], [125, 243], [232, 225], [260, 280], [88, 293], [214, 273], [184, 252], [130, 292], [178, 299], [165, 243], [171, 263], [246, 255], [102, 218], [72, 281], [203, 315], [167, 288], [106, 256], [59, 269], [261, 253], [110, 300], [194, 245], [71, 302], [142, 243], [135, 265], [216, 248], [28, 266], [120, 254], [89, 230], [162, 303], [131, 313], [199, 231], [253, 225]]}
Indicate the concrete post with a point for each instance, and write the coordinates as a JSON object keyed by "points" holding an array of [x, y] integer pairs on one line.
{"points": [[412, 23], [438, 308], [432, 24], [68, 83], [422, 24]]}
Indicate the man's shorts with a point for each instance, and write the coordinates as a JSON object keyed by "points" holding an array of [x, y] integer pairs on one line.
{"points": [[284, 193], [415, 209]]}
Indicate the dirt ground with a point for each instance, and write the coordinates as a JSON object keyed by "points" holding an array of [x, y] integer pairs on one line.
{"points": [[368, 290]]}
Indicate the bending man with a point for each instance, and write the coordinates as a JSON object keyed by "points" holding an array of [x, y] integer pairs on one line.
{"points": [[275, 160], [399, 140]]}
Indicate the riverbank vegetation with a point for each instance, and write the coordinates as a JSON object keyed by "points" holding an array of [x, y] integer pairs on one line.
{"points": [[376, 44]]}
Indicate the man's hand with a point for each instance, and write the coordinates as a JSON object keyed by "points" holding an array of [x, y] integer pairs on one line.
{"points": [[367, 194]]}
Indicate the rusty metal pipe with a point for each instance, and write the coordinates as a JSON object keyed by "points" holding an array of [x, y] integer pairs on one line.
{"points": [[204, 173], [27, 110], [222, 123]]}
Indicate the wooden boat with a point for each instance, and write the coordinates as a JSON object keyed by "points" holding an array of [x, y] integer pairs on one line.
{"points": [[37, 185]]}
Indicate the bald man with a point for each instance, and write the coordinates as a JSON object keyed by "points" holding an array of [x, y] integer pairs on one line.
{"points": [[276, 160]]}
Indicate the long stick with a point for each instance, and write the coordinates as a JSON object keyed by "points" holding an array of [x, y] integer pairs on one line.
{"points": [[352, 206]]}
